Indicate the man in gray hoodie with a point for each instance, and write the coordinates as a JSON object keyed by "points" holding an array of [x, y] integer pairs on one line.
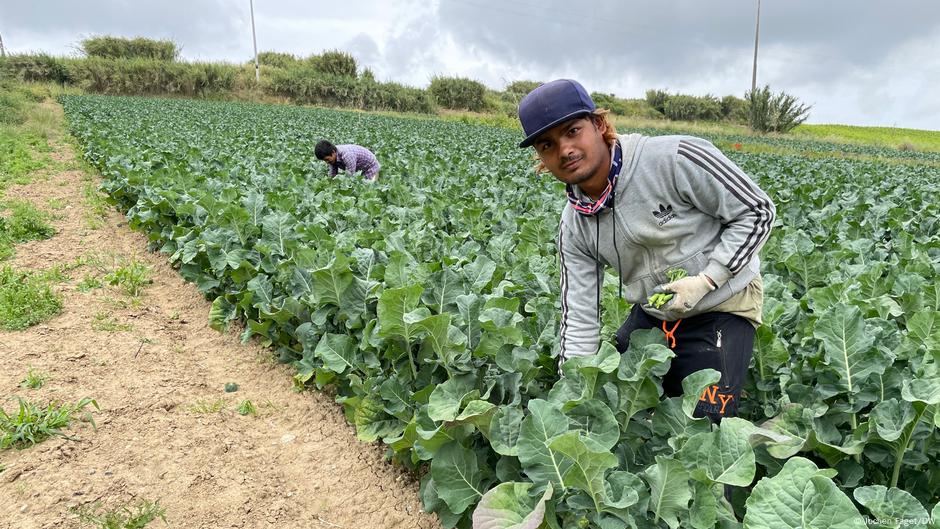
{"points": [[645, 206]]}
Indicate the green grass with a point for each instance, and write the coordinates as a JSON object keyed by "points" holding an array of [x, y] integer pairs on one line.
{"points": [[121, 517], [34, 379], [17, 160], [894, 138], [26, 299], [20, 221], [103, 322], [96, 206], [207, 406], [89, 282], [246, 408], [31, 424], [130, 276]]}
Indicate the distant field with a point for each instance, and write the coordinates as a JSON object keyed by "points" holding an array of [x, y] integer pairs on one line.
{"points": [[921, 140]]}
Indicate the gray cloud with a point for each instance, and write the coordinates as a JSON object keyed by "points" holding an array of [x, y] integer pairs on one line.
{"points": [[857, 62]]}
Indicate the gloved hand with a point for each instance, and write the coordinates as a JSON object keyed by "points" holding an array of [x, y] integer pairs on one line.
{"points": [[687, 292]]}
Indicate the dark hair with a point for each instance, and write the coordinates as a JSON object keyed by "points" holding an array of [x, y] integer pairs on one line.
{"points": [[324, 149]]}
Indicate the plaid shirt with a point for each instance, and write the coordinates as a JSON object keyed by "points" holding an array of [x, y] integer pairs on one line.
{"points": [[352, 158]]}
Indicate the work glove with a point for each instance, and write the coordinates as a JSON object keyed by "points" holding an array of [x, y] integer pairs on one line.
{"points": [[686, 293]]}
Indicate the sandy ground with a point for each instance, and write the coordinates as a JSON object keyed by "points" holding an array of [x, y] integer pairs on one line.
{"points": [[158, 372]]}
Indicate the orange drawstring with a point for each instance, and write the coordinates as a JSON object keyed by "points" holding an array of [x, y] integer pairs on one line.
{"points": [[671, 334]]}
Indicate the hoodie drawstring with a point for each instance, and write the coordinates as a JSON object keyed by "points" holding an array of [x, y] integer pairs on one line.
{"points": [[597, 264], [617, 249]]}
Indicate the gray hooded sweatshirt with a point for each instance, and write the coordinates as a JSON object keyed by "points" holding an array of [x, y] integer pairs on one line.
{"points": [[679, 203]]}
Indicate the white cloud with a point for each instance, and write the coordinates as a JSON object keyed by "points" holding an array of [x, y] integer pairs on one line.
{"points": [[858, 63]]}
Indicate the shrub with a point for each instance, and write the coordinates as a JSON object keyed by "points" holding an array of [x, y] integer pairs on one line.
{"points": [[657, 99], [38, 67], [768, 112], [522, 87], [682, 107], [458, 93], [123, 48], [276, 59], [334, 62], [734, 109], [303, 84], [150, 76]]}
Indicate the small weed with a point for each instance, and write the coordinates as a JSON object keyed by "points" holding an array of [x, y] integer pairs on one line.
{"points": [[206, 407], [142, 514], [32, 424], [56, 204], [96, 201], [131, 276], [23, 223], [22, 489], [34, 379], [89, 282], [103, 322], [25, 299], [246, 408]]}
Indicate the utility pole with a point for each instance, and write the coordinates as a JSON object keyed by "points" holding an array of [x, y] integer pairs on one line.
{"points": [[255, 40], [756, 36], [3, 52]]}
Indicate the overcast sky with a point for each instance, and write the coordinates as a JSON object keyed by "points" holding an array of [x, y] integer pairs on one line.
{"points": [[859, 62]]}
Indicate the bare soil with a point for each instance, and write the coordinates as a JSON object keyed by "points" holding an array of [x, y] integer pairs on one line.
{"points": [[166, 431]]}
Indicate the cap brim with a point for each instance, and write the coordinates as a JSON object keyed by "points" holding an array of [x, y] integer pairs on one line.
{"points": [[530, 139]]}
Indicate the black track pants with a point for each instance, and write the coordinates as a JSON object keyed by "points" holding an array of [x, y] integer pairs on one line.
{"points": [[715, 340]]}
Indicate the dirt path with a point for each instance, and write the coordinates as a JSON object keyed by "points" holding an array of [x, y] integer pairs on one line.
{"points": [[158, 373]]}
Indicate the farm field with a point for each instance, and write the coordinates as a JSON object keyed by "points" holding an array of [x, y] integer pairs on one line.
{"points": [[427, 305]]}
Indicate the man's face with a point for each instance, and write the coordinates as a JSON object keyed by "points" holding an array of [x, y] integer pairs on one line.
{"points": [[575, 151], [330, 158]]}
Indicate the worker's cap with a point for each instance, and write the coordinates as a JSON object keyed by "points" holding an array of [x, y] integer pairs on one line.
{"points": [[551, 104]]}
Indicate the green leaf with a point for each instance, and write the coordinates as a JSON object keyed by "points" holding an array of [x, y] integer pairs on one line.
{"points": [[794, 421], [587, 464], [393, 305], [891, 418], [724, 456], [221, 314], [443, 288], [694, 386], [338, 352], [510, 506], [372, 423], [479, 273], [800, 496], [539, 461], [262, 290], [446, 399], [478, 413], [458, 477], [703, 513], [505, 428], [848, 348], [926, 390], [595, 421], [469, 307], [443, 338], [893, 508], [669, 490]]}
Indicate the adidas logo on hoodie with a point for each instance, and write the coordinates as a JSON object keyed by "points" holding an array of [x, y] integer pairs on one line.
{"points": [[665, 214]]}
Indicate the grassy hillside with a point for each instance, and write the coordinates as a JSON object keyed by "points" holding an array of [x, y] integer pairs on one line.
{"points": [[890, 137]]}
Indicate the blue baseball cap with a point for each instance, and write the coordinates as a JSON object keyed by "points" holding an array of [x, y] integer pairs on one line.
{"points": [[550, 104]]}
